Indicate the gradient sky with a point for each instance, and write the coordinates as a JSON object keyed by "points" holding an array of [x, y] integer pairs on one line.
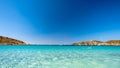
{"points": [[60, 21]]}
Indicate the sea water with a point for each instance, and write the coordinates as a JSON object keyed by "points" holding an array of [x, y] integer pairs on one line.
{"points": [[59, 56]]}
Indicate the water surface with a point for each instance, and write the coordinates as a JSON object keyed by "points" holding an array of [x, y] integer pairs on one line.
{"points": [[59, 56]]}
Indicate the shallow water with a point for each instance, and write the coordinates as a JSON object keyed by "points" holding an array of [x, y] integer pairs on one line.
{"points": [[59, 57]]}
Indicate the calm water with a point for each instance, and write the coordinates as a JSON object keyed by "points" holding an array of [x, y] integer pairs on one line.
{"points": [[59, 57]]}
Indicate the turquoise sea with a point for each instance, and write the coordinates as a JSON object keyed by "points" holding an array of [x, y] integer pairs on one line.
{"points": [[59, 56]]}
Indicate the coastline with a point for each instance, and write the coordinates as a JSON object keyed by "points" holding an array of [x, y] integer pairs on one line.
{"points": [[98, 43]]}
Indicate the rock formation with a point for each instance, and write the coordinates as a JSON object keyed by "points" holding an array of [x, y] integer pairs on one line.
{"points": [[10, 41], [95, 42]]}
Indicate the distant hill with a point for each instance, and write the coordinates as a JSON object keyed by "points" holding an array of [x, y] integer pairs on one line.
{"points": [[10, 41], [95, 42]]}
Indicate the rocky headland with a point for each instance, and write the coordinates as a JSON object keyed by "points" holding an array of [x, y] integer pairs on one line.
{"points": [[95, 42], [10, 41]]}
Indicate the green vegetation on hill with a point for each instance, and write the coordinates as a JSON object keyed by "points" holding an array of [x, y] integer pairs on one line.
{"points": [[10, 41], [95, 42]]}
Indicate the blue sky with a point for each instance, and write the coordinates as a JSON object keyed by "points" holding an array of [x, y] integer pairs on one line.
{"points": [[60, 21]]}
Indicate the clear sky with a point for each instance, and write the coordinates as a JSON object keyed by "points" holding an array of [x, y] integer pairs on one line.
{"points": [[60, 21]]}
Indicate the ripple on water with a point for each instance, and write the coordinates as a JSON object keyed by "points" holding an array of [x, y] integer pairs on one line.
{"points": [[59, 59]]}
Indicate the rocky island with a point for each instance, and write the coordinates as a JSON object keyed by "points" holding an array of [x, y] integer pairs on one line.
{"points": [[10, 41], [95, 42]]}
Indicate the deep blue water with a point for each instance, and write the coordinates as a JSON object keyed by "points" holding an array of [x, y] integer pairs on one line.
{"points": [[59, 56]]}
